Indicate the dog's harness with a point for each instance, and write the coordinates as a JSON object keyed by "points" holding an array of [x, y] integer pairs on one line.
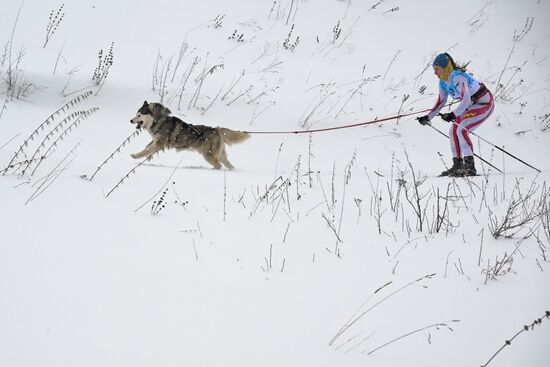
{"points": [[197, 134], [193, 130], [157, 129]]}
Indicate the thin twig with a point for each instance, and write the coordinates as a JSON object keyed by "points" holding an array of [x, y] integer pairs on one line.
{"points": [[525, 328], [349, 324], [413, 332], [161, 188], [47, 180], [133, 170], [128, 139]]}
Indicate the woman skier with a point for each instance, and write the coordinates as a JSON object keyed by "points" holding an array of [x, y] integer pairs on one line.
{"points": [[476, 105]]}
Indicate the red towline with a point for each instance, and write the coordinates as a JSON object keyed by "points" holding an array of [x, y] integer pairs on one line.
{"points": [[339, 127]]}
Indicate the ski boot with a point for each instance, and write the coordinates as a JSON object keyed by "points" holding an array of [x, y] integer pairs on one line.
{"points": [[457, 166], [467, 169]]}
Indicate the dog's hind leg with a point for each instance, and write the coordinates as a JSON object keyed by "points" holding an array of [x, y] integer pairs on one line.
{"points": [[212, 160], [211, 152], [224, 160]]}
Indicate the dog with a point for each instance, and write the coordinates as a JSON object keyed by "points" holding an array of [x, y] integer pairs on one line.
{"points": [[170, 132]]}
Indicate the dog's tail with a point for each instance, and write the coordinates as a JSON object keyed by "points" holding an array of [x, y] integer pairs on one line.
{"points": [[231, 136]]}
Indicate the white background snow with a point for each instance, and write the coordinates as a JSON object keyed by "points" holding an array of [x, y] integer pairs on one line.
{"points": [[222, 276]]}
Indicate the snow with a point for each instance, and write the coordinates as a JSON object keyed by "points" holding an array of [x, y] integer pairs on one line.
{"points": [[222, 277]]}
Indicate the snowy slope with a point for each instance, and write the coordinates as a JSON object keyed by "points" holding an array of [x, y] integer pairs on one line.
{"points": [[263, 265]]}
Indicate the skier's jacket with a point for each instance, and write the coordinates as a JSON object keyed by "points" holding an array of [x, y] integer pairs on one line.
{"points": [[461, 86]]}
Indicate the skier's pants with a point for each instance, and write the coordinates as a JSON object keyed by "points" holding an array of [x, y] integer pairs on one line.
{"points": [[471, 119]]}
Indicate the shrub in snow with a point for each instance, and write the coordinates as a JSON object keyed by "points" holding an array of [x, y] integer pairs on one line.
{"points": [[53, 23]]}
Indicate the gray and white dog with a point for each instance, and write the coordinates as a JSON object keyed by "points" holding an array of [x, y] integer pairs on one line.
{"points": [[169, 132]]}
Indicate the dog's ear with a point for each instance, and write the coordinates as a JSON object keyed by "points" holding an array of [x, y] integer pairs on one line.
{"points": [[144, 109], [167, 111]]}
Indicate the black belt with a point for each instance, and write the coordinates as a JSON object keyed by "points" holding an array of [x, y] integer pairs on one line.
{"points": [[480, 93]]}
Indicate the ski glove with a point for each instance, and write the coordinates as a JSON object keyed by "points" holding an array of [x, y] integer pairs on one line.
{"points": [[448, 116], [423, 120]]}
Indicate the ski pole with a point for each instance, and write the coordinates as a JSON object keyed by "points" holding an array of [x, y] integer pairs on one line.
{"points": [[477, 156], [495, 146]]}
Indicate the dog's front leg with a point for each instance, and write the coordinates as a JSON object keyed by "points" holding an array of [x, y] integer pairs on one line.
{"points": [[148, 151]]}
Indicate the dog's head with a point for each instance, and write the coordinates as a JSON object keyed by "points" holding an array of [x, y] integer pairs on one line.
{"points": [[148, 114]]}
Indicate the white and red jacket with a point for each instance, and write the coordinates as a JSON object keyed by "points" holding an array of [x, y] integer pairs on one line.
{"points": [[460, 86]]}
